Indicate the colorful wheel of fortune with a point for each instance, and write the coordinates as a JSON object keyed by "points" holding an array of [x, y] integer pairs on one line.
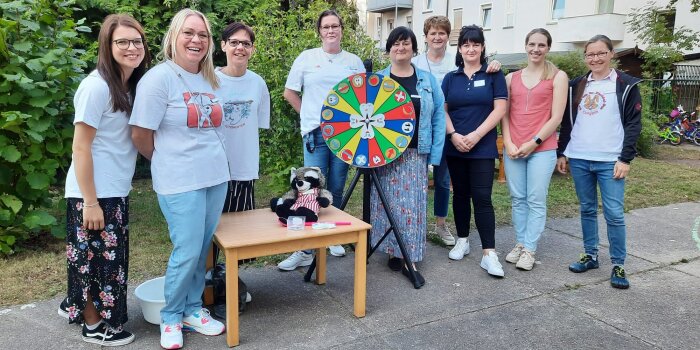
{"points": [[367, 120]]}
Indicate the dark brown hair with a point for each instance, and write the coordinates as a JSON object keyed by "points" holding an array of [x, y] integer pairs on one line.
{"points": [[327, 13], [234, 27], [122, 96]]}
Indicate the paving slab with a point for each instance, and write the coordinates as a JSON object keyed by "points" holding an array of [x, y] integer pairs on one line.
{"points": [[536, 323], [661, 307], [691, 267], [661, 234]]}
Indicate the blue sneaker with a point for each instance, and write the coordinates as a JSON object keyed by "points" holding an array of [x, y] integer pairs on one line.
{"points": [[585, 263], [618, 279]]}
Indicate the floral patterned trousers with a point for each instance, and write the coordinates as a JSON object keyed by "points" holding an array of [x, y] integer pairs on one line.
{"points": [[98, 261]]}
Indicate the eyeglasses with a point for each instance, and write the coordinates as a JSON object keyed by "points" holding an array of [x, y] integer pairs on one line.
{"points": [[591, 56], [335, 27], [189, 34], [246, 44], [125, 43]]}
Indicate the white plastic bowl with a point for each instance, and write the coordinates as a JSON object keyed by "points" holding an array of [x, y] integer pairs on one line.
{"points": [[151, 298]]}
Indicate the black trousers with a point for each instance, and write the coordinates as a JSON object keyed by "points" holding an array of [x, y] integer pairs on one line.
{"points": [[472, 183]]}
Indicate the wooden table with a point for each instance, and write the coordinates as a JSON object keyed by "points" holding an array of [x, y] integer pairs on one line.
{"points": [[256, 233]]}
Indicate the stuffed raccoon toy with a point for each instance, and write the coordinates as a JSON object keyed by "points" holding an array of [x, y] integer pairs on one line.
{"points": [[306, 197]]}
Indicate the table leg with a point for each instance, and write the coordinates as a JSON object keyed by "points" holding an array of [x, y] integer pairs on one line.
{"points": [[232, 336], [321, 265], [209, 290], [360, 287]]}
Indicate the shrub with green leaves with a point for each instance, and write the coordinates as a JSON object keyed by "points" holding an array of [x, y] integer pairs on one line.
{"points": [[40, 70]]}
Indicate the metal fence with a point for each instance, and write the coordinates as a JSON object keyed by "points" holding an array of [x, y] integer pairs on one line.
{"points": [[683, 88]]}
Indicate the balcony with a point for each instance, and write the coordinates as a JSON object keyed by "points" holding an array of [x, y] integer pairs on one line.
{"points": [[380, 6], [579, 29]]}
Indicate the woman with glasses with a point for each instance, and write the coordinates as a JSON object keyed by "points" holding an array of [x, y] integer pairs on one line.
{"points": [[314, 73], [246, 103], [175, 120], [405, 180], [598, 136], [98, 184], [475, 102], [537, 101]]}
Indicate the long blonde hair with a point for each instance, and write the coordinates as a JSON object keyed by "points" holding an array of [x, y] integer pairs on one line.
{"points": [[550, 70], [169, 51]]}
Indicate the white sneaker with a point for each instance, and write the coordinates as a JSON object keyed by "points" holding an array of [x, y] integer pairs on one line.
{"points": [[248, 297], [444, 233], [298, 258], [460, 250], [514, 254], [491, 265], [337, 250], [202, 322], [526, 261], [171, 336]]}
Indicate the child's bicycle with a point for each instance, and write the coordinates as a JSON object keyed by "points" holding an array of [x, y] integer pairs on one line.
{"points": [[671, 132]]}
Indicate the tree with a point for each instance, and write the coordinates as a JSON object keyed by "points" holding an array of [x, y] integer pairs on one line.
{"points": [[665, 45]]}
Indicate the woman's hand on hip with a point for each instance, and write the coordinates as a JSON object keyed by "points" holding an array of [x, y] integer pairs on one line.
{"points": [[93, 218], [621, 170]]}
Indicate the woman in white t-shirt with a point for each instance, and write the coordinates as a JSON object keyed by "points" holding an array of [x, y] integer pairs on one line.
{"points": [[246, 102], [98, 184], [175, 118], [314, 73]]}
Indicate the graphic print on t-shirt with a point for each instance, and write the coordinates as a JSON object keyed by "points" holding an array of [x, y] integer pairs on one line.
{"points": [[203, 110], [592, 103], [236, 113]]}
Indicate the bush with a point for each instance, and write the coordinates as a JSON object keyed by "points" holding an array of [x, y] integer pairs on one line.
{"points": [[571, 62], [40, 70], [645, 143]]}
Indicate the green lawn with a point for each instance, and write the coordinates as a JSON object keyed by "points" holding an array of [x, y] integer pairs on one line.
{"points": [[39, 272]]}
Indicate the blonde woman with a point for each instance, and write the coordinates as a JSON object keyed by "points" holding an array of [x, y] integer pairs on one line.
{"points": [[176, 114], [537, 101]]}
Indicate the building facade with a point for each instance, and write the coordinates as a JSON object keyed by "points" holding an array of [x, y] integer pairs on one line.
{"points": [[506, 22]]}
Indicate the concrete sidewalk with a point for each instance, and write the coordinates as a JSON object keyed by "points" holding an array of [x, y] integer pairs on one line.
{"points": [[460, 306]]}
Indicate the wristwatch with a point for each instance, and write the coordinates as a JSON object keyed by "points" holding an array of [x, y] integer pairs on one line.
{"points": [[449, 135], [537, 139]]}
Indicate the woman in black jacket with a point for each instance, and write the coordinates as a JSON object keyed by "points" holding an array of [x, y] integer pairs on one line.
{"points": [[598, 135]]}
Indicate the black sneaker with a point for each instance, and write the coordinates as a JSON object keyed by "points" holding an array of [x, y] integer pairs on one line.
{"points": [[618, 278], [63, 308], [104, 335], [585, 263]]}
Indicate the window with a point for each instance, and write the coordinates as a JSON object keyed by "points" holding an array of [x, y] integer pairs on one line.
{"points": [[558, 9], [379, 28], [456, 26], [409, 22], [486, 16], [510, 13], [389, 25], [606, 6], [668, 20]]}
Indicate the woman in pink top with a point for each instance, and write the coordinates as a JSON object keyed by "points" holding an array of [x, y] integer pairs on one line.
{"points": [[536, 105]]}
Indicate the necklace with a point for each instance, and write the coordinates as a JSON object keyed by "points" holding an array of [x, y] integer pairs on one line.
{"points": [[331, 56]]}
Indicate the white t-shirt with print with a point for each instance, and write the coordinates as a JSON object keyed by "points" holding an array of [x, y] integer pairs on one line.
{"points": [[437, 69], [185, 114], [113, 153], [597, 133], [314, 75], [246, 104]]}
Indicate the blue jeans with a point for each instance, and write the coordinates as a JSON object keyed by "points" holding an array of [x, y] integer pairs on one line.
{"points": [[528, 183], [587, 174], [192, 219], [317, 153], [441, 179]]}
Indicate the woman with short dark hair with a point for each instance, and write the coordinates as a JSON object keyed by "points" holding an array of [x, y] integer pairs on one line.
{"points": [[405, 180]]}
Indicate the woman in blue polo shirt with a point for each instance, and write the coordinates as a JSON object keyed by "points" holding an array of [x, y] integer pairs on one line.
{"points": [[475, 102]]}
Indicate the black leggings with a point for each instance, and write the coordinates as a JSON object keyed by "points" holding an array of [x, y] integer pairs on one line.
{"points": [[472, 179]]}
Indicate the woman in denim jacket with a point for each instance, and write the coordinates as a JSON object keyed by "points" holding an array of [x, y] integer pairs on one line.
{"points": [[405, 180]]}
